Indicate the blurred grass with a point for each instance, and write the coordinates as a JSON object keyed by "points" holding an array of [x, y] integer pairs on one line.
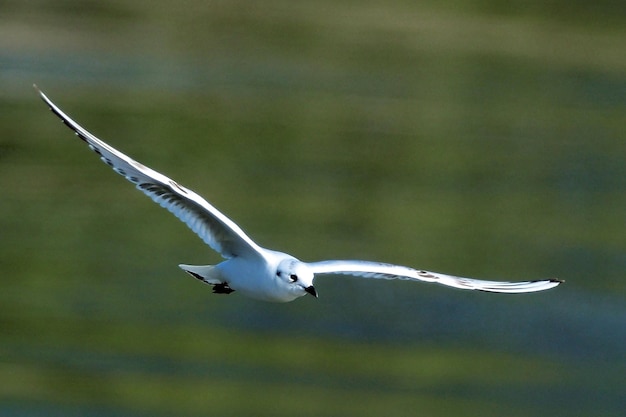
{"points": [[478, 138], [187, 369]]}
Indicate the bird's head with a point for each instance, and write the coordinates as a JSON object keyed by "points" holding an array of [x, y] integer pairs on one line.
{"points": [[297, 276]]}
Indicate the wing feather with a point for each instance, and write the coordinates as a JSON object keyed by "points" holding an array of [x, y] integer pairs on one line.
{"points": [[378, 270], [213, 227]]}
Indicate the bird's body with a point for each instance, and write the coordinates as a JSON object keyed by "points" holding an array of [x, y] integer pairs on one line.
{"points": [[250, 269], [257, 276]]}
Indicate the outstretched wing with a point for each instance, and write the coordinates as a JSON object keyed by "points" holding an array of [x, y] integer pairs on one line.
{"points": [[377, 270], [214, 228]]}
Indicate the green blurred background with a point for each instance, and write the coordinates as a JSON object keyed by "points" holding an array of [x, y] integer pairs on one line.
{"points": [[479, 138]]}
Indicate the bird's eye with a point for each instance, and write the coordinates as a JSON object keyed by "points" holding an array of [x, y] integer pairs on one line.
{"points": [[293, 277]]}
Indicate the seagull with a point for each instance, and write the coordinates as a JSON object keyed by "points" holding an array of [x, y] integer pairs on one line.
{"points": [[248, 268]]}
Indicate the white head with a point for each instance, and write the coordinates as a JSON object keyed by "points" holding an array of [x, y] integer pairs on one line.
{"points": [[296, 276]]}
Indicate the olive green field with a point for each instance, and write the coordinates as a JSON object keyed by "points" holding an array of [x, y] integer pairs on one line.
{"points": [[477, 138]]}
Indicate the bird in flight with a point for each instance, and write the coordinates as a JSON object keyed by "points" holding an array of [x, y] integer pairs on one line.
{"points": [[250, 269]]}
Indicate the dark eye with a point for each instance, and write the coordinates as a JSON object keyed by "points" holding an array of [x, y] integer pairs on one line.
{"points": [[293, 277]]}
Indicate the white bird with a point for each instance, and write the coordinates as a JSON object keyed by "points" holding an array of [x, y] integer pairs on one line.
{"points": [[250, 269]]}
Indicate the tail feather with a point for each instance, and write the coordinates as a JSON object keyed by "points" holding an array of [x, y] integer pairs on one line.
{"points": [[204, 273]]}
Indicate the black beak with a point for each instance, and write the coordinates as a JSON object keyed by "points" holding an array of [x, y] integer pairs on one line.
{"points": [[311, 290]]}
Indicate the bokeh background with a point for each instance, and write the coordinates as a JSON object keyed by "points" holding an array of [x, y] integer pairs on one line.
{"points": [[477, 138]]}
